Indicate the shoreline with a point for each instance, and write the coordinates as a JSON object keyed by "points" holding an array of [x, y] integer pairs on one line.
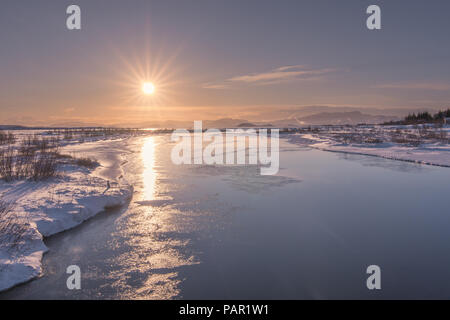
{"points": [[28, 265], [57, 205], [382, 157], [418, 155]]}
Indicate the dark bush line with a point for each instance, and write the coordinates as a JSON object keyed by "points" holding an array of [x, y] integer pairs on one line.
{"points": [[423, 117]]}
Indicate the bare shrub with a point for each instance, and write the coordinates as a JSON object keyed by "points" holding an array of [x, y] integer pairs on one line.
{"points": [[7, 138], [443, 136], [82, 161], [27, 162], [7, 164], [44, 166], [61, 156], [13, 227], [86, 162], [373, 140], [40, 143], [68, 135]]}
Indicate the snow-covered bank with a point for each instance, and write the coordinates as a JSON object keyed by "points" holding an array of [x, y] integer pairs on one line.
{"points": [[435, 153], [56, 205]]}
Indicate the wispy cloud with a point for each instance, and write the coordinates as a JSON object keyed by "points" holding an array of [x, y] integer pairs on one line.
{"points": [[282, 74], [274, 76], [416, 86], [215, 86]]}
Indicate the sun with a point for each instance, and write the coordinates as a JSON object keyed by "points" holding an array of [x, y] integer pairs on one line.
{"points": [[148, 88]]}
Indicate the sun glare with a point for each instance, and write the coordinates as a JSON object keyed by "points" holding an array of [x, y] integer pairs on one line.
{"points": [[148, 88], [147, 80]]}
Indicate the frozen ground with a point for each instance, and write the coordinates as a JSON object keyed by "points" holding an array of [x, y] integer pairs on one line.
{"points": [[425, 145], [60, 203]]}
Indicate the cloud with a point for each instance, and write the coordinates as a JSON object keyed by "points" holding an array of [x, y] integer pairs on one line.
{"points": [[274, 76], [215, 86], [297, 66], [415, 86], [282, 74]]}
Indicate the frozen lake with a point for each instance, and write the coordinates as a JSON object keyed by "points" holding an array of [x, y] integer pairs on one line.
{"points": [[205, 232]]}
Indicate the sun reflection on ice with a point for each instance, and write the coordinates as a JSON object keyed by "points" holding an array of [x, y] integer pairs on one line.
{"points": [[149, 175], [154, 239]]}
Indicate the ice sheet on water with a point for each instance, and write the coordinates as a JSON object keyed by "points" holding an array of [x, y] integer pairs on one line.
{"points": [[245, 177]]}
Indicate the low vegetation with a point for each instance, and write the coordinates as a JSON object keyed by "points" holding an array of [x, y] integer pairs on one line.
{"points": [[7, 138], [81, 134], [13, 228], [86, 162], [408, 135], [26, 163], [35, 158]]}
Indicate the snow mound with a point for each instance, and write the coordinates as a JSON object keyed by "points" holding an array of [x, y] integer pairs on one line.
{"points": [[48, 208]]}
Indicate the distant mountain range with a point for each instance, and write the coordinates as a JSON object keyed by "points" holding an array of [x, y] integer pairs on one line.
{"points": [[352, 117], [12, 127], [322, 118], [284, 116], [295, 117]]}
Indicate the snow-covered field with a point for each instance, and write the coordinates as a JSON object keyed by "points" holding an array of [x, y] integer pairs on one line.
{"points": [[406, 143], [57, 204]]}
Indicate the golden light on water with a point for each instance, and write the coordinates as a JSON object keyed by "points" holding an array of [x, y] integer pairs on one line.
{"points": [[149, 175]]}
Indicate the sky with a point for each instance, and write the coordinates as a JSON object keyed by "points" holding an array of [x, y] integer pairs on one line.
{"points": [[211, 58]]}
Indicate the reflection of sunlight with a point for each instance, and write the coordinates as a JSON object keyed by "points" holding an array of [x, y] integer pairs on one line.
{"points": [[149, 175]]}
